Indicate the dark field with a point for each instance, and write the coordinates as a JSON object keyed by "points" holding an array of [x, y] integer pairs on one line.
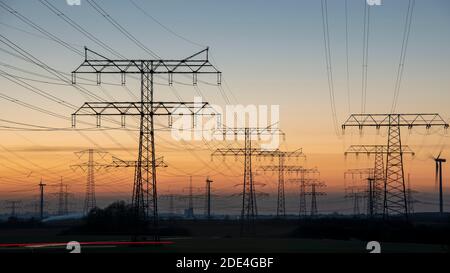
{"points": [[324, 235]]}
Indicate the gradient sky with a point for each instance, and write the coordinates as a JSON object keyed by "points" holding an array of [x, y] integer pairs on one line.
{"points": [[270, 53]]}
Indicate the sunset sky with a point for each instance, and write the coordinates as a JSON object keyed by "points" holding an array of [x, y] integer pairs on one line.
{"points": [[269, 52]]}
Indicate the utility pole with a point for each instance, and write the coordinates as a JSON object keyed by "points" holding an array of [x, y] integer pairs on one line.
{"points": [[90, 167], [208, 197], [61, 198], [191, 199], [395, 201], [281, 168], [379, 151], [248, 211], [410, 195], [41, 189], [144, 197]]}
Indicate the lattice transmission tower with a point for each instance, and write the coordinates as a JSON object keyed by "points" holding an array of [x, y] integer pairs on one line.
{"points": [[282, 169], [89, 167], [304, 177], [314, 192], [248, 211], [395, 199], [144, 196], [379, 151]]}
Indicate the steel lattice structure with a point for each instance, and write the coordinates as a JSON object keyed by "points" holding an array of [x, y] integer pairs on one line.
{"points": [[363, 191], [144, 196], [248, 212], [90, 166], [314, 185], [281, 168], [303, 180], [395, 200], [379, 151]]}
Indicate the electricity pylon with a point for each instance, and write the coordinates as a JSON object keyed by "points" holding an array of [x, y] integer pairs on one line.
{"points": [[189, 212], [119, 163], [90, 167], [360, 190], [248, 212], [302, 179], [144, 197], [13, 206], [356, 193], [282, 169], [315, 185], [63, 196], [395, 201], [379, 171]]}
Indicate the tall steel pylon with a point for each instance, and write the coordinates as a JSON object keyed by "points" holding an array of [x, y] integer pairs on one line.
{"points": [[304, 179], [13, 206], [379, 151], [248, 211], [282, 169], [314, 185], [359, 190], [144, 196], [63, 198], [395, 200], [89, 167]]}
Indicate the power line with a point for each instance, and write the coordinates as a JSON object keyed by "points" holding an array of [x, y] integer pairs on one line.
{"points": [[401, 64], [365, 57], [122, 30], [347, 57], [165, 27], [75, 25], [40, 29], [326, 39]]}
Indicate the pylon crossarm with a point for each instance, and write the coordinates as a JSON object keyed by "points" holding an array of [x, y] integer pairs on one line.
{"points": [[135, 108], [98, 64], [360, 172], [373, 149], [119, 163], [123, 109], [252, 131], [242, 152], [404, 120], [276, 168]]}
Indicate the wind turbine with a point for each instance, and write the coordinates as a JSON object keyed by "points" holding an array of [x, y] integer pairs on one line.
{"points": [[438, 160]]}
